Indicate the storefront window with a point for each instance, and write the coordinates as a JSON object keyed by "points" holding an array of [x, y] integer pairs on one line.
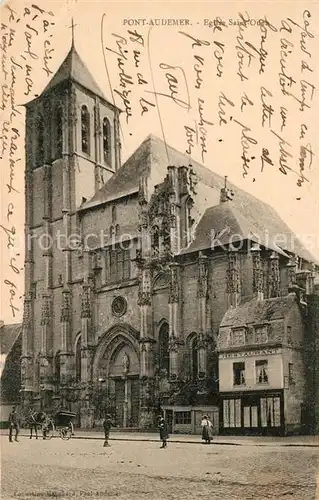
{"points": [[270, 412], [183, 417], [232, 413]]}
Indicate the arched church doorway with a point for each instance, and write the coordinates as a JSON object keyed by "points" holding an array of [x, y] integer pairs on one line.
{"points": [[117, 369]]}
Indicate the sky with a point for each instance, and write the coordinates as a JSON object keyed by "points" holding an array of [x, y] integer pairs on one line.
{"points": [[206, 88]]}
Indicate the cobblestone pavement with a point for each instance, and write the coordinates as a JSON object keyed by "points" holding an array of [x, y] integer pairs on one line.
{"points": [[141, 470]]}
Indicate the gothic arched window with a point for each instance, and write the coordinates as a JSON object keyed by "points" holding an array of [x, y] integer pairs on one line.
{"points": [[106, 140], [40, 140], [57, 369], [155, 239], [188, 220], [58, 147], [85, 129], [78, 359], [163, 340], [194, 356]]}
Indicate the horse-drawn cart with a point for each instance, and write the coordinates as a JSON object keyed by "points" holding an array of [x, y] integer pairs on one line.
{"points": [[61, 422]]}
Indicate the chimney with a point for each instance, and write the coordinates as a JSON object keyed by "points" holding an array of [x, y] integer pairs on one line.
{"points": [[226, 194], [305, 280], [300, 294], [291, 269]]}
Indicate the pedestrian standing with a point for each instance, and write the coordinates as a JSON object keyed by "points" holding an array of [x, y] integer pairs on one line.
{"points": [[210, 430], [33, 426], [107, 424], [163, 432], [13, 424], [207, 429]]}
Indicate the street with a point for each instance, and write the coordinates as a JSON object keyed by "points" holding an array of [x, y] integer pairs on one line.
{"points": [[138, 470]]}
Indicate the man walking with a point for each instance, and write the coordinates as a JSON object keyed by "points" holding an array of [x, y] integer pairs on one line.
{"points": [[13, 424], [107, 424]]}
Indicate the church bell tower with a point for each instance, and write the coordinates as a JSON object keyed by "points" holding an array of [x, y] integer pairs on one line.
{"points": [[72, 149]]}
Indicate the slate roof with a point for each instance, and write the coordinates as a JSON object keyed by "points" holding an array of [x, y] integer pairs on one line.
{"points": [[231, 225], [258, 311], [245, 214], [8, 336], [73, 68], [149, 156], [153, 157], [247, 218]]}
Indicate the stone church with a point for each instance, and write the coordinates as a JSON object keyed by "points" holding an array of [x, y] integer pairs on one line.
{"points": [[153, 286]]}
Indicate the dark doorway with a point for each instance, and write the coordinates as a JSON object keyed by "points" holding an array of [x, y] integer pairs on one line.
{"points": [[119, 402], [169, 420]]}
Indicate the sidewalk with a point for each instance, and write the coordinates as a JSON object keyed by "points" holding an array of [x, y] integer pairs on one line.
{"points": [[304, 441]]}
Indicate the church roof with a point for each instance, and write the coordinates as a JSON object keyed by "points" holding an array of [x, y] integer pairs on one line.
{"points": [[258, 311], [73, 68], [8, 336], [149, 156], [246, 218], [153, 157], [245, 215], [230, 222]]}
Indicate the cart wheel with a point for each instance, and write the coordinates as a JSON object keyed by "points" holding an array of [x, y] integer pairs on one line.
{"points": [[66, 433], [48, 431]]}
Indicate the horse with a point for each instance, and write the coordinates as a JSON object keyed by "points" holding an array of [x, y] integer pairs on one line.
{"points": [[34, 421]]}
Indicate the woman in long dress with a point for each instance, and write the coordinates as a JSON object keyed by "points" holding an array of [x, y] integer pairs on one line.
{"points": [[207, 430]]}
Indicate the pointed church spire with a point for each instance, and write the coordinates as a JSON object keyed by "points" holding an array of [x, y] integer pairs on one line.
{"points": [[73, 69], [72, 27]]}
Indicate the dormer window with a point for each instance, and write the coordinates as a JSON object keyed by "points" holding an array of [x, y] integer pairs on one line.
{"points": [[261, 334], [238, 336], [85, 129], [106, 140]]}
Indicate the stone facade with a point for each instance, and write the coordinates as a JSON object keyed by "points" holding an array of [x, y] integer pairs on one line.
{"points": [[123, 306]]}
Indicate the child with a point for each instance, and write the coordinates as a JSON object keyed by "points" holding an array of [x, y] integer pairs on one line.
{"points": [[163, 432]]}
